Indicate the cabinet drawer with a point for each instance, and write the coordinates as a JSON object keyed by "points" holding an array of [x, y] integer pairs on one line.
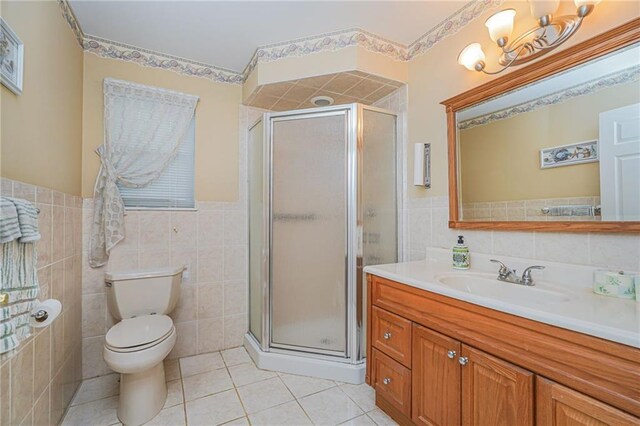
{"points": [[392, 335], [392, 381]]}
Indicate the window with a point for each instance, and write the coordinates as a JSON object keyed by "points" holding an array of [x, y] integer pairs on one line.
{"points": [[174, 189]]}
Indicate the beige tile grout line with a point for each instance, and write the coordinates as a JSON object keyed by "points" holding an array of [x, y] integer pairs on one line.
{"points": [[235, 388], [317, 90], [184, 396]]}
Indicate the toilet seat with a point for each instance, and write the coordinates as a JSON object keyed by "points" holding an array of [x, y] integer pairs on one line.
{"points": [[139, 333]]}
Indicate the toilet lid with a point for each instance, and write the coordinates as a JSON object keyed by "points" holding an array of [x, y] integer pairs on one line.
{"points": [[139, 331]]}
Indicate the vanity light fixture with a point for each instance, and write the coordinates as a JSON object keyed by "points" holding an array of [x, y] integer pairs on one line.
{"points": [[550, 33]]}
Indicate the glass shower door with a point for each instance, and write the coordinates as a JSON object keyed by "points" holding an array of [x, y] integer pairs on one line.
{"points": [[309, 232]]}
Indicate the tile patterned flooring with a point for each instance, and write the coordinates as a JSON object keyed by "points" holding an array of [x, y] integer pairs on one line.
{"points": [[227, 388]]}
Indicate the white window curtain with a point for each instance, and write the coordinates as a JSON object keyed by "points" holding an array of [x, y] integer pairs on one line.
{"points": [[143, 129]]}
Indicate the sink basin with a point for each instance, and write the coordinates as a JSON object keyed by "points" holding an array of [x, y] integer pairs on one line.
{"points": [[488, 286]]}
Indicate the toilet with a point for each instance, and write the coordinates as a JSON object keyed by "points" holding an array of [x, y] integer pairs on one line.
{"points": [[136, 346]]}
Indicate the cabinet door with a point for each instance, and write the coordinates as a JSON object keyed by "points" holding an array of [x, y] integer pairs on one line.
{"points": [[436, 378], [557, 405], [495, 392]]}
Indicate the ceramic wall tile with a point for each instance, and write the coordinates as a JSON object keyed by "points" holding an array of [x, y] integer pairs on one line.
{"points": [[210, 242], [617, 251], [48, 363]]}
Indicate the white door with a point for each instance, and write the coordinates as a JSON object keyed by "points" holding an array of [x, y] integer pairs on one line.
{"points": [[620, 163]]}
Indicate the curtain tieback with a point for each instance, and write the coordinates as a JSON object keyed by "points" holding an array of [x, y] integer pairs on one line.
{"points": [[110, 171]]}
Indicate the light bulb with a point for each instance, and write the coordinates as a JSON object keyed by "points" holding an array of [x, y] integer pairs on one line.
{"points": [[500, 24], [540, 8], [471, 56]]}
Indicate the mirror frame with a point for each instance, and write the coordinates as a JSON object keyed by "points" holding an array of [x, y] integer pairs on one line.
{"points": [[578, 54]]}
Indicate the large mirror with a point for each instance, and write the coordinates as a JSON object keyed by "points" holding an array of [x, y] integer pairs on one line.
{"points": [[562, 148]]}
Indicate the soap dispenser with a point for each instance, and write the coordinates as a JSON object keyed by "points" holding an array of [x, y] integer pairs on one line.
{"points": [[461, 257]]}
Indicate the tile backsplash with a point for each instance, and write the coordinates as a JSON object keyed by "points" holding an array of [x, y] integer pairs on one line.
{"points": [[38, 382], [427, 226]]}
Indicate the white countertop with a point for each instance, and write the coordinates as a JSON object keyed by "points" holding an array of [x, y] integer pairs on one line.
{"points": [[609, 318]]}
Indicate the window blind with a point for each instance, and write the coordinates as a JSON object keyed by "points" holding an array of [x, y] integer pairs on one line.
{"points": [[174, 189]]}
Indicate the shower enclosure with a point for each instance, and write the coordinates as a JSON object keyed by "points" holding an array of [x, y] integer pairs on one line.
{"points": [[323, 204]]}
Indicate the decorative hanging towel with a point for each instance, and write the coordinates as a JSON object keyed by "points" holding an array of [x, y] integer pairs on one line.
{"points": [[18, 273]]}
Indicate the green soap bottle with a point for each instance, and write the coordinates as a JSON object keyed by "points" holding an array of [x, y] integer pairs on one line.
{"points": [[461, 257]]}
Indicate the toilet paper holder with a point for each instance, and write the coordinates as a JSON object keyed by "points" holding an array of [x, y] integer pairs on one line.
{"points": [[44, 313], [40, 315]]}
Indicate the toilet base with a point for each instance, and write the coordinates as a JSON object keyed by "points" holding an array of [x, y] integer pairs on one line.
{"points": [[142, 395]]}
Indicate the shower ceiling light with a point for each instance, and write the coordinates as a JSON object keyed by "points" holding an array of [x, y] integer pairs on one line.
{"points": [[550, 33]]}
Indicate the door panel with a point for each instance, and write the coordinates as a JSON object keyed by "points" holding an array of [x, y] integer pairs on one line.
{"points": [[436, 378], [309, 230], [495, 392], [256, 231], [620, 163], [557, 405]]}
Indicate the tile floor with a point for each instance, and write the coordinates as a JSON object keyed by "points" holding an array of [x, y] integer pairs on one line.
{"points": [[227, 388]]}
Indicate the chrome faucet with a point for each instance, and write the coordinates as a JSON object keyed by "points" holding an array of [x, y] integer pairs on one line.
{"points": [[510, 275]]}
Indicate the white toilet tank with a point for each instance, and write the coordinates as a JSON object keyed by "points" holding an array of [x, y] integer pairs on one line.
{"points": [[143, 292]]}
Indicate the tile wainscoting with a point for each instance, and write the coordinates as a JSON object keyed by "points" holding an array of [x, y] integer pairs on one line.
{"points": [[427, 226], [38, 382], [212, 242]]}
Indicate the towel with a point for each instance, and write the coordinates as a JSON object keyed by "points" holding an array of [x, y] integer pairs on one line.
{"points": [[9, 227], [19, 290], [27, 219]]}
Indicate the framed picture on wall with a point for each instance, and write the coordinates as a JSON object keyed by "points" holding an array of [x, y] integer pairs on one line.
{"points": [[11, 58], [567, 155]]}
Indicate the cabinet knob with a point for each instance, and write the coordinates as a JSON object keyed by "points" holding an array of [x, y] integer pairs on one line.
{"points": [[386, 380], [463, 360], [387, 336], [451, 354]]}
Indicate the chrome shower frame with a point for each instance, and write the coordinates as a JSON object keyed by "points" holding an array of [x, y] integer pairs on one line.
{"points": [[355, 286]]}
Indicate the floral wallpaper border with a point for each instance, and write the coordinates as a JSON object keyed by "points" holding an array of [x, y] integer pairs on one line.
{"points": [[327, 42], [71, 19], [626, 75], [451, 25], [144, 57], [148, 58], [299, 47]]}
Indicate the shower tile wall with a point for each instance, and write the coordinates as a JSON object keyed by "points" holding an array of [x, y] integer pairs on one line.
{"points": [[39, 380], [212, 242]]}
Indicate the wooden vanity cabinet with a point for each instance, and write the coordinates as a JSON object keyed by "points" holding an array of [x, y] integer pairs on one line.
{"points": [[453, 382], [435, 390], [495, 392], [438, 361], [558, 405]]}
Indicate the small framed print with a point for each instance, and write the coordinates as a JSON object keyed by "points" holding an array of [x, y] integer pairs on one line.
{"points": [[567, 155], [11, 58]]}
